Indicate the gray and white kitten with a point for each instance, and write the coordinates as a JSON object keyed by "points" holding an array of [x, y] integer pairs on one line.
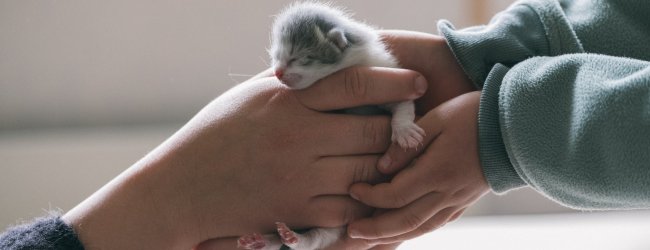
{"points": [[310, 41]]}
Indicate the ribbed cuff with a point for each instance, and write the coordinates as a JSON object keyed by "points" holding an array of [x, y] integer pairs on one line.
{"points": [[497, 168], [511, 37], [47, 233]]}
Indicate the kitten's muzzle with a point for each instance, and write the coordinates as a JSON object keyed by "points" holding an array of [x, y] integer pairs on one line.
{"points": [[278, 73], [292, 80]]}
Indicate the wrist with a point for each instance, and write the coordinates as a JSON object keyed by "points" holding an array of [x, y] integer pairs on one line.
{"points": [[446, 77], [495, 162], [141, 208], [432, 57]]}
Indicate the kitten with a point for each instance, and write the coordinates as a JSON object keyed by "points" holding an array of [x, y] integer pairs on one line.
{"points": [[310, 41]]}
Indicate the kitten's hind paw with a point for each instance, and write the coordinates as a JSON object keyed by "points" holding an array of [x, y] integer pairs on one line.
{"points": [[251, 242], [288, 237], [408, 135]]}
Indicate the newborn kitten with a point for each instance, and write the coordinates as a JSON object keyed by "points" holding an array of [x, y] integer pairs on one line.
{"points": [[310, 41]]}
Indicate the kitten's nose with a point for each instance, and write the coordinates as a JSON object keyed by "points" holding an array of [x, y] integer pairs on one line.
{"points": [[279, 73]]}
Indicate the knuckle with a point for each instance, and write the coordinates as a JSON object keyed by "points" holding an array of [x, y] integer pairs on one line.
{"points": [[345, 216], [423, 182], [398, 200], [438, 221], [362, 172], [412, 221], [376, 232], [372, 133], [428, 227], [355, 83], [368, 243]]}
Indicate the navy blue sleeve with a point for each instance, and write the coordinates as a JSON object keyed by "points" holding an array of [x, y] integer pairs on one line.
{"points": [[47, 233]]}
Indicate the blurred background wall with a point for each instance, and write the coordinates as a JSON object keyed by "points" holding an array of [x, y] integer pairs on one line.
{"points": [[89, 87]]}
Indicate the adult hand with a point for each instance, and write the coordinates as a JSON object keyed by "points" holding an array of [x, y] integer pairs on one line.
{"points": [[431, 56], [258, 154], [437, 186]]}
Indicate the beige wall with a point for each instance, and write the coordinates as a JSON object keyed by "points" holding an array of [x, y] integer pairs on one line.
{"points": [[96, 62], [88, 87]]}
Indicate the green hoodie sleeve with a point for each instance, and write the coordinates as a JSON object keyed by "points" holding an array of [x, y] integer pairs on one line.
{"points": [[574, 127], [524, 30], [565, 107], [549, 28]]}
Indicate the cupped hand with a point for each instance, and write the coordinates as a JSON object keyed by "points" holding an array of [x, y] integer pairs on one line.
{"points": [[424, 53], [258, 154], [435, 187], [431, 56], [282, 157]]}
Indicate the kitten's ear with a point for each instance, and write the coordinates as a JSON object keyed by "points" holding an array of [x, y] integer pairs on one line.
{"points": [[337, 36]]}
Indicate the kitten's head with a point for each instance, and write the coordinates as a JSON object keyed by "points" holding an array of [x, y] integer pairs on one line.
{"points": [[309, 42]]}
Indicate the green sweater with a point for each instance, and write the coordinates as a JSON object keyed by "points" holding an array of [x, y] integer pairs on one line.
{"points": [[565, 107]]}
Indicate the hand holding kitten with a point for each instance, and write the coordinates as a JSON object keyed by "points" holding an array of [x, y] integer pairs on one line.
{"points": [[430, 56], [444, 164], [436, 188]]}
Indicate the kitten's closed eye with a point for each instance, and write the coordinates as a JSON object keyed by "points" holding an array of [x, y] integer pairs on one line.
{"points": [[305, 61]]}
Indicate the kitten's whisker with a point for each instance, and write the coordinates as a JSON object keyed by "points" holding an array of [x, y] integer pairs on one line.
{"points": [[233, 75], [240, 75], [264, 62]]}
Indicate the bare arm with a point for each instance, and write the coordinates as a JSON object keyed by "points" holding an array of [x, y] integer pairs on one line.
{"points": [[257, 154]]}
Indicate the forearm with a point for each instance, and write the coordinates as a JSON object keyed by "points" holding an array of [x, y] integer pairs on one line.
{"points": [[526, 29], [611, 27], [574, 127], [136, 210], [177, 195]]}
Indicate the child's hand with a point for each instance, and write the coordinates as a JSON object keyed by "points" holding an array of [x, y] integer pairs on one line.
{"points": [[437, 186], [430, 56]]}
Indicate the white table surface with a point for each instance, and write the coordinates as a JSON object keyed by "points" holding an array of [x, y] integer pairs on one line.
{"points": [[597, 230]]}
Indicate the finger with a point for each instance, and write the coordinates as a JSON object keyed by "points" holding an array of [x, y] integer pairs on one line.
{"points": [[218, 244], [392, 246], [396, 222], [437, 221], [359, 86], [353, 135], [457, 215], [409, 46], [407, 186], [346, 242], [334, 175], [396, 158], [329, 211]]}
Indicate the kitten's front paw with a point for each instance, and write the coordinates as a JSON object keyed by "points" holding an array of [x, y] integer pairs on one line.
{"points": [[408, 135], [287, 236], [251, 242]]}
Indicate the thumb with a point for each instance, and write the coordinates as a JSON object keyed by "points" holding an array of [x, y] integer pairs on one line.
{"points": [[218, 243], [359, 86]]}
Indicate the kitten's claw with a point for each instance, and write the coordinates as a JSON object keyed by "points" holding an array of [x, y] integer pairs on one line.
{"points": [[251, 242], [408, 135], [287, 236]]}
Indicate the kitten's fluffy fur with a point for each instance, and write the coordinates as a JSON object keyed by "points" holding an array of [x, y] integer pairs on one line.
{"points": [[314, 40], [310, 41]]}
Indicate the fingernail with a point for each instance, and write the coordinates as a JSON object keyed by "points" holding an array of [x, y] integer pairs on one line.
{"points": [[420, 85], [384, 162], [354, 234], [354, 196]]}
